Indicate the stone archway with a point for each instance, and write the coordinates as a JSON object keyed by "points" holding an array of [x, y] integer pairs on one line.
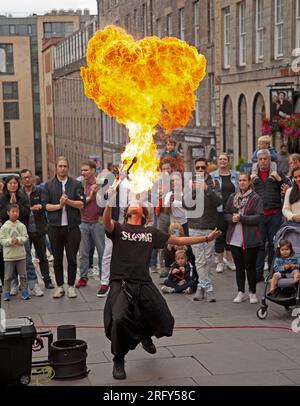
{"points": [[228, 127], [259, 113], [243, 128]]}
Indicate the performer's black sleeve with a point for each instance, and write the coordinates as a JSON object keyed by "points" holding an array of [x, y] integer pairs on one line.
{"points": [[159, 238]]}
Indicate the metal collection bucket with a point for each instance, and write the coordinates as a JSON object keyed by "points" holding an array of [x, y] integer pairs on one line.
{"points": [[68, 358]]}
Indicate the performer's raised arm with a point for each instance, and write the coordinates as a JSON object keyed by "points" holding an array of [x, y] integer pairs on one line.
{"points": [[173, 240], [109, 225]]}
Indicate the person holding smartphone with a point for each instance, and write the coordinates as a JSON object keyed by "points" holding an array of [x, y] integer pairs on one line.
{"points": [[209, 200]]}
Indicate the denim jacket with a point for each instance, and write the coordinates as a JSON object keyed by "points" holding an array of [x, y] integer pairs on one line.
{"points": [[234, 177], [280, 262]]}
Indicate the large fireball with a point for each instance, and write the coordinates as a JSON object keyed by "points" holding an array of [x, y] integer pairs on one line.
{"points": [[142, 84]]}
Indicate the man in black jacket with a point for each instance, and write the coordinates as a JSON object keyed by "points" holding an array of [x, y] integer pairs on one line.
{"points": [[64, 198], [37, 224], [269, 189]]}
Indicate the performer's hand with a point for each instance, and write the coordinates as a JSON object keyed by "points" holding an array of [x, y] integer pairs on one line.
{"points": [[214, 234], [111, 195]]}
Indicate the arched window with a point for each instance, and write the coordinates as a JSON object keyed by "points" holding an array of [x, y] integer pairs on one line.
{"points": [[243, 128], [228, 126], [259, 113], [297, 102]]}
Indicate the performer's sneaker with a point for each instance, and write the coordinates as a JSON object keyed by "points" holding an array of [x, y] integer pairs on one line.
{"points": [[148, 345], [119, 370]]}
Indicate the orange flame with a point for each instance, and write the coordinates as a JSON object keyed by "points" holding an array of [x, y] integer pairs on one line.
{"points": [[143, 84]]}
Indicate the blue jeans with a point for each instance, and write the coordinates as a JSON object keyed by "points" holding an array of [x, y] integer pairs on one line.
{"points": [[30, 269], [91, 234]]}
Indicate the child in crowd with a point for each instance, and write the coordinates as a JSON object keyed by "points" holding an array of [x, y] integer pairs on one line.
{"points": [[13, 235], [286, 265], [170, 250], [180, 276], [170, 152], [264, 142]]}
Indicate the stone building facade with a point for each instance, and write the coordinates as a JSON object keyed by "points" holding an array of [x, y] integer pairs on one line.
{"points": [[21, 42], [192, 21], [256, 41], [16, 107]]}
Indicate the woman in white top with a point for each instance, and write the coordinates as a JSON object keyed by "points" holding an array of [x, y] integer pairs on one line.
{"points": [[291, 205]]}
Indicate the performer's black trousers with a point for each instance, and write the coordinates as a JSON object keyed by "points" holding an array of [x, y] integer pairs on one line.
{"points": [[126, 323]]}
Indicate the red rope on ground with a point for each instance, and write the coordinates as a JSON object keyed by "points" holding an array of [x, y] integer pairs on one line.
{"points": [[185, 327]]}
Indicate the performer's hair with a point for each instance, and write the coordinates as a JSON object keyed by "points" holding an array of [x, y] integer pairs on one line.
{"points": [[145, 213]]}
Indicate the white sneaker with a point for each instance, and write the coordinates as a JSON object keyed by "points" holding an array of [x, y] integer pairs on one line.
{"points": [[167, 289], [241, 297], [14, 291], [253, 298], [71, 292], [59, 292], [230, 265], [37, 291], [220, 267]]}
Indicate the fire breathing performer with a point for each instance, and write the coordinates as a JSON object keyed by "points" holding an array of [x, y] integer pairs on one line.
{"points": [[135, 309]]}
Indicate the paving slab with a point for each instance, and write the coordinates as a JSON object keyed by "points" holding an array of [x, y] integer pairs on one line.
{"points": [[281, 344], [146, 370], [140, 354], [293, 375], [161, 382], [191, 356], [233, 360], [245, 379]]}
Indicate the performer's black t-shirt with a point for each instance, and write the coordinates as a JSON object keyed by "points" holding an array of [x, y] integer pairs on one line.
{"points": [[132, 245]]}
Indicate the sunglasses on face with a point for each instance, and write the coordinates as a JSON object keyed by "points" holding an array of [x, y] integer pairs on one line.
{"points": [[200, 167]]}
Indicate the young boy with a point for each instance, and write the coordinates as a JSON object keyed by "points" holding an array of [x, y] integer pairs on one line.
{"points": [[170, 149], [171, 153], [264, 142], [13, 235], [180, 275]]}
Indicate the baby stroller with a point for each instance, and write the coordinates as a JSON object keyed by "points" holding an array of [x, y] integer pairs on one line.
{"points": [[287, 291]]}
